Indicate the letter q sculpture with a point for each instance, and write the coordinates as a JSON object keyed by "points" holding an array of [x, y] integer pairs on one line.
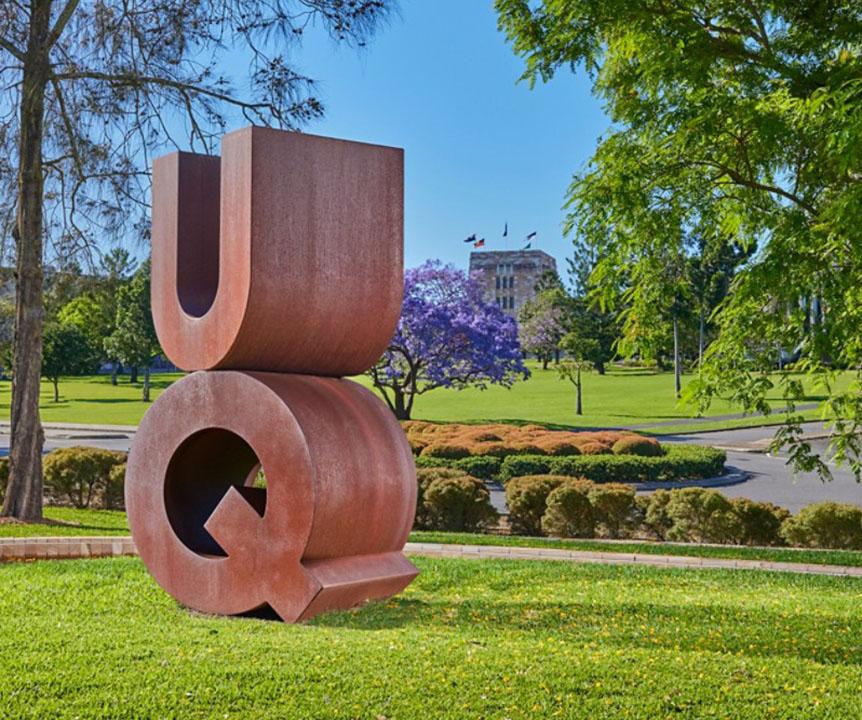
{"points": [[276, 269]]}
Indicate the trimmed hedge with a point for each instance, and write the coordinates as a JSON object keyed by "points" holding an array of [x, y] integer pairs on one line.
{"points": [[613, 505], [82, 475], [680, 462], [527, 499], [569, 512], [449, 499], [643, 446], [458, 440], [486, 468], [827, 525]]}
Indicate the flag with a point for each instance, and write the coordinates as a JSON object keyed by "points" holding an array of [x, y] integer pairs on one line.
{"points": [[506, 230], [479, 243], [532, 235], [528, 246], [471, 239]]}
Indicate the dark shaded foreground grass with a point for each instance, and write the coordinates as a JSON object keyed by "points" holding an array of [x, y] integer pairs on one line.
{"points": [[491, 639]]}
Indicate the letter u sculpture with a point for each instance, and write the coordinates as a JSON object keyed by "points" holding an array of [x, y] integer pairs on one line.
{"points": [[276, 270]]}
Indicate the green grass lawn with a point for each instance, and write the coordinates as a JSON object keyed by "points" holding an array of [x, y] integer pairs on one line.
{"points": [[619, 398], [80, 522], [468, 639], [102, 522], [847, 558]]}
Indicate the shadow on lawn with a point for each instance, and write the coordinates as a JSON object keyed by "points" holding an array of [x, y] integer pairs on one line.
{"points": [[701, 628]]}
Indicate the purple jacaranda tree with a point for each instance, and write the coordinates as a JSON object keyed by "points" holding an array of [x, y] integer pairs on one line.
{"points": [[447, 336], [541, 326]]}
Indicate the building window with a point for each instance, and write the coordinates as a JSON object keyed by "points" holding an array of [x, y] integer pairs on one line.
{"points": [[511, 303], [498, 282]]}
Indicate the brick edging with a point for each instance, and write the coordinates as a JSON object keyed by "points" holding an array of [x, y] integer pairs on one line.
{"points": [[65, 548], [56, 548]]}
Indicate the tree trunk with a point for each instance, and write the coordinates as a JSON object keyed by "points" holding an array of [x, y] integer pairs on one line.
{"points": [[580, 406], [147, 383], [600, 367], [545, 361], [677, 370], [402, 412], [56, 383], [115, 366], [24, 492], [133, 375]]}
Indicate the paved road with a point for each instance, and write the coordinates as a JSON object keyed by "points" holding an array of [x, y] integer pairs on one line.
{"points": [[770, 478]]}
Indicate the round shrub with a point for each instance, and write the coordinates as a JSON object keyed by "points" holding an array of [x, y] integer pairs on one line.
{"points": [[79, 474], [492, 449], [446, 450], [459, 504], [613, 504], [424, 477], [595, 448], [656, 519], [569, 513], [113, 494], [486, 467], [557, 446], [525, 448], [483, 436], [527, 498], [702, 515], [825, 525], [636, 445], [760, 522]]}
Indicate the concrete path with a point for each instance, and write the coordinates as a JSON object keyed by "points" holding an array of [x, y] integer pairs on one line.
{"points": [[58, 548]]}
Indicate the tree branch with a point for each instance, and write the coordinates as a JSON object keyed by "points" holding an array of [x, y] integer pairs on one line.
{"points": [[62, 21], [740, 179], [11, 49], [134, 80]]}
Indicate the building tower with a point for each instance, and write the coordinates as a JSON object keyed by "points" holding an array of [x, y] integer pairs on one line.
{"points": [[508, 277]]}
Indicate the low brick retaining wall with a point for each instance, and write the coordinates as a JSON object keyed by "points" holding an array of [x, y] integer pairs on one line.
{"points": [[58, 548]]}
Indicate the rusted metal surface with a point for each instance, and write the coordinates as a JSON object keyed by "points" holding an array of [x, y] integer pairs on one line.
{"points": [[297, 269], [286, 254]]}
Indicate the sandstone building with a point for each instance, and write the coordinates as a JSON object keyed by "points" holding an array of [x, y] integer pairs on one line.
{"points": [[508, 277]]}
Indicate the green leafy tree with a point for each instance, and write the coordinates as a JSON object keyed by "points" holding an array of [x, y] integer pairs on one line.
{"points": [[67, 351], [89, 92], [117, 267], [579, 349], [739, 123], [134, 340], [542, 323]]}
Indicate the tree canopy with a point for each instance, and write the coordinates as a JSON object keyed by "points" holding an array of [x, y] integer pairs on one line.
{"points": [[134, 341], [733, 124], [447, 336], [89, 91]]}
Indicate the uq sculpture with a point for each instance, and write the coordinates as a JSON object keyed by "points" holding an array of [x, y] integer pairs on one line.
{"points": [[276, 269]]}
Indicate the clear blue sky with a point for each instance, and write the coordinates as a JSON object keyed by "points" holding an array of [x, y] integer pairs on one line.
{"points": [[480, 148]]}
